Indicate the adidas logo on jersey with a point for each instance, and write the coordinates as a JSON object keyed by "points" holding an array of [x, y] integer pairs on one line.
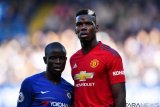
{"points": [[75, 66]]}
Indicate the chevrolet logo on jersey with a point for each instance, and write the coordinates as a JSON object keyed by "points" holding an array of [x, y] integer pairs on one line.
{"points": [[83, 75]]}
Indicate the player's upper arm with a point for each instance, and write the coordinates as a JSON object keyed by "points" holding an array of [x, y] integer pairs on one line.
{"points": [[119, 94], [115, 70], [25, 94]]}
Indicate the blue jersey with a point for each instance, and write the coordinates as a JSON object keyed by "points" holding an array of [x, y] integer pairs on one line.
{"points": [[38, 91]]}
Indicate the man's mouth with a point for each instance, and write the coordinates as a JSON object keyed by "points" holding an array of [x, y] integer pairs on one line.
{"points": [[57, 68], [83, 35]]}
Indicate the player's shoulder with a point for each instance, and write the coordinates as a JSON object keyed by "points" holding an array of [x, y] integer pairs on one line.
{"points": [[76, 54], [67, 83], [109, 50], [32, 78]]}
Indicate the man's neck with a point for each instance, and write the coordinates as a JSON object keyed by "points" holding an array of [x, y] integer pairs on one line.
{"points": [[54, 78], [87, 46]]}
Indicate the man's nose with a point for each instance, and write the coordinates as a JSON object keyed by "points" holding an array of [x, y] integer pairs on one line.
{"points": [[84, 27], [57, 60]]}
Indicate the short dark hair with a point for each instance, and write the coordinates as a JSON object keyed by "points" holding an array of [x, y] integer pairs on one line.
{"points": [[86, 12], [54, 45]]}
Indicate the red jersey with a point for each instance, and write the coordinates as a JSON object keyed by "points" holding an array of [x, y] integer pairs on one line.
{"points": [[93, 74]]}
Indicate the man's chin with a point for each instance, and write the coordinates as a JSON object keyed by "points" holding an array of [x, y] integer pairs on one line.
{"points": [[58, 70]]}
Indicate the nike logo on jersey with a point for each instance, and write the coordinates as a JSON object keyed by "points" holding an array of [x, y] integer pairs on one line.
{"points": [[43, 92]]}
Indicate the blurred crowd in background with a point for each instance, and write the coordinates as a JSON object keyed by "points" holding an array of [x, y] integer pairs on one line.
{"points": [[132, 27]]}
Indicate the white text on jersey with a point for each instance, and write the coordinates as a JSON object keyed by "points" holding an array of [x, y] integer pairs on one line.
{"points": [[115, 73]]}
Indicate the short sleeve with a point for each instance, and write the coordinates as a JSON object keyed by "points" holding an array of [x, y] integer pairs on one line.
{"points": [[25, 94], [115, 70]]}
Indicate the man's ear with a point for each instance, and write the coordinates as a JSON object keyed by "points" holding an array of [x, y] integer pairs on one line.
{"points": [[75, 31], [97, 28], [45, 60]]}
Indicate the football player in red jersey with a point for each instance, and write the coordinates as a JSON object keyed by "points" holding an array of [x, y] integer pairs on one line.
{"points": [[97, 69]]}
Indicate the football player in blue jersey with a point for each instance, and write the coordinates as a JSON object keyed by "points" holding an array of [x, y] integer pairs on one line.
{"points": [[48, 88]]}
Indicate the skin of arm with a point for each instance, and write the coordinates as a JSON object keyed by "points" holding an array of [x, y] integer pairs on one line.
{"points": [[119, 94]]}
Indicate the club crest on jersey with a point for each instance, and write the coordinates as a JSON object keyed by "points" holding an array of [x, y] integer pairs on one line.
{"points": [[21, 97], [83, 75], [94, 63], [69, 95]]}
